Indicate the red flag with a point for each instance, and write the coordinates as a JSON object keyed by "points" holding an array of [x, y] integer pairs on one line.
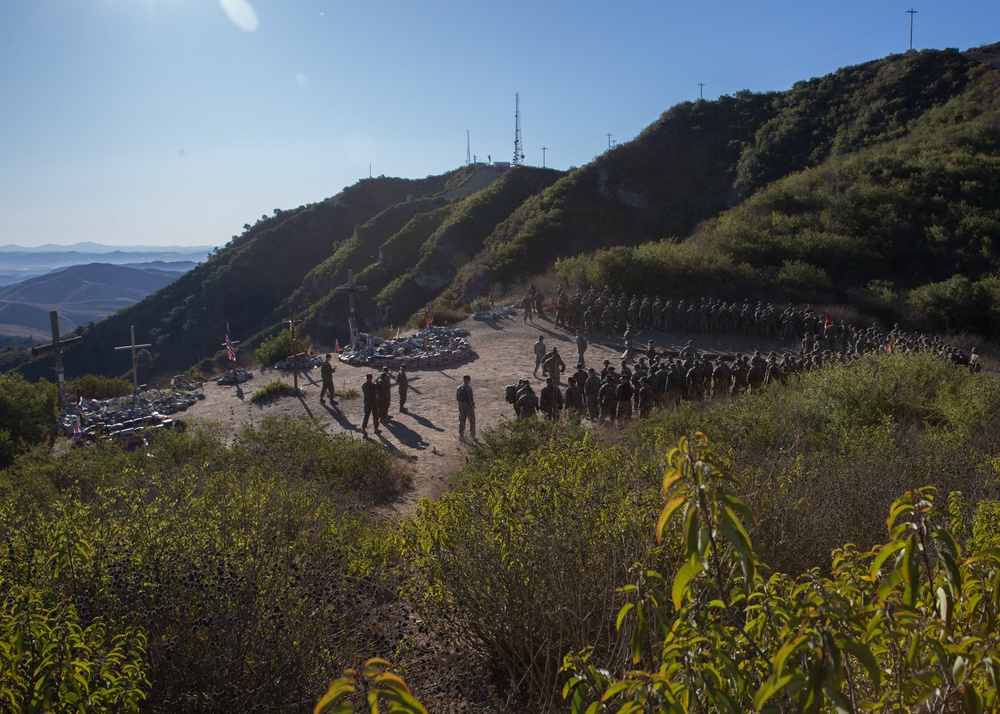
{"points": [[230, 349], [428, 316], [336, 346], [309, 351], [829, 321]]}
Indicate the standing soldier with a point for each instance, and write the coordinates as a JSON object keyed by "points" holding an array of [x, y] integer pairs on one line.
{"points": [[553, 365], [326, 371], [370, 393], [629, 354], [624, 393], [591, 391], [551, 399], [527, 402], [540, 351], [403, 381], [384, 385], [608, 398], [581, 345], [646, 398], [466, 408], [574, 396]]}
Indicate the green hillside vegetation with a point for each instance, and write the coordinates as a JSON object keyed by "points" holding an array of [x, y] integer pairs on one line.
{"points": [[233, 567]]}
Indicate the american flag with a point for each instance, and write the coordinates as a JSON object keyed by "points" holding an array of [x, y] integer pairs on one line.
{"points": [[230, 349]]}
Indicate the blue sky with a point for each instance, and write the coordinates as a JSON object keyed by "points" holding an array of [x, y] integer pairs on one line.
{"points": [[177, 121]]}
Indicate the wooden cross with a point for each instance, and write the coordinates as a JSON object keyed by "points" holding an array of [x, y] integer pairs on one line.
{"points": [[295, 350], [56, 347], [135, 363], [351, 291]]}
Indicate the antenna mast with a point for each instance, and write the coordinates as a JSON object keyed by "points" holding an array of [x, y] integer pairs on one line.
{"points": [[518, 150], [468, 149]]}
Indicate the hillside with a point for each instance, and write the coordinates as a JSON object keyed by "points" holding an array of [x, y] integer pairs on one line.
{"points": [[81, 293], [872, 186]]}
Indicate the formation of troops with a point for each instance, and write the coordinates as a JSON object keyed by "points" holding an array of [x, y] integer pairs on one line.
{"points": [[646, 377]]}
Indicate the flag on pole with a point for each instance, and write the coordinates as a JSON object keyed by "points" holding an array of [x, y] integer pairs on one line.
{"points": [[230, 349], [829, 321], [428, 316], [336, 346]]}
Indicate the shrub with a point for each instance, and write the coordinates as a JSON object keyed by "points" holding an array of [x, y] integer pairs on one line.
{"points": [[95, 386], [271, 391], [523, 557], [905, 625], [27, 414], [241, 564], [54, 662], [280, 347]]}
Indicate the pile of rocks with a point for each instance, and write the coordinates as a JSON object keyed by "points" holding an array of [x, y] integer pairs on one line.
{"points": [[431, 347], [122, 420]]}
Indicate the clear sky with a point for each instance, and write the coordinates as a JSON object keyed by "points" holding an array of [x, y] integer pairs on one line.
{"points": [[177, 121]]}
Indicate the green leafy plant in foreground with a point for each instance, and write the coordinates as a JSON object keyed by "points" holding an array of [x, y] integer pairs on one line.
{"points": [[909, 623], [50, 661], [379, 686]]}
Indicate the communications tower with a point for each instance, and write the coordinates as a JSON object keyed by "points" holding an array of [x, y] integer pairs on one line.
{"points": [[518, 150]]}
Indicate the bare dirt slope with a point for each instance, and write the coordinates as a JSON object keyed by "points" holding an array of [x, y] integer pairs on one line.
{"points": [[427, 435]]}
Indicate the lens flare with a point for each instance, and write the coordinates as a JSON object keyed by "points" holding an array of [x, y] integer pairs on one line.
{"points": [[241, 14]]}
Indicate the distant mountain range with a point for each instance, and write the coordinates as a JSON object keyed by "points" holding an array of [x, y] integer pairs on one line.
{"points": [[18, 263], [88, 247], [81, 294]]}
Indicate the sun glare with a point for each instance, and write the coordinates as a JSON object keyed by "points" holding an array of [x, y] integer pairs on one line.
{"points": [[241, 14]]}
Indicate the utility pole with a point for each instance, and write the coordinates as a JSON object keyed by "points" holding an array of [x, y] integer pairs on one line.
{"points": [[609, 141], [701, 90], [351, 291], [56, 347], [135, 363], [911, 12], [518, 148], [544, 149]]}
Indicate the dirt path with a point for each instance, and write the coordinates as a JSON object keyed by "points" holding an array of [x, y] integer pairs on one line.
{"points": [[427, 435]]}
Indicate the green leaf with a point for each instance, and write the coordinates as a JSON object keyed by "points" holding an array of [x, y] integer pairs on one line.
{"points": [[733, 530], [864, 655], [958, 669], [883, 554], [973, 701], [772, 687], [331, 704], [899, 508], [784, 652], [688, 571], [622, 613], [665, 515], [691, 529]]}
